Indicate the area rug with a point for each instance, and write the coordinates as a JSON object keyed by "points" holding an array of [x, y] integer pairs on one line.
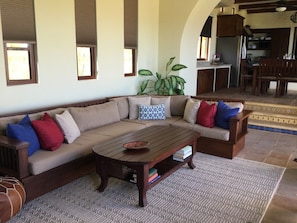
{"points": [[217, 190]]}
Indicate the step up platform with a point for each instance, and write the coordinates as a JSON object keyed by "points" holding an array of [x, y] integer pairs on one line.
{"points": [[273, 117]]}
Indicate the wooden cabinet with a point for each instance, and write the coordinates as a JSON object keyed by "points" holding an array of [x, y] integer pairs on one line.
{"points": [[212, 78], [222, 76], [279, 42], [205, 79], [272, 43], [229, 25], [260, 41]]}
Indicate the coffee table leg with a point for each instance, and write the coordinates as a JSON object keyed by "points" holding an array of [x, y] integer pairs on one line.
{"points": [[191, 164], [142, 183], [102, 170]]}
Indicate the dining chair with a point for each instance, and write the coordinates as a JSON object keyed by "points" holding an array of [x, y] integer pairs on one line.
{"points": [[288, 75], [245, 75], [269, 70]]}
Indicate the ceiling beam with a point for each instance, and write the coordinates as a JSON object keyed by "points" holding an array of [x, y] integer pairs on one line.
{"points": [[257, 6], [263, 10], [251, 1]]}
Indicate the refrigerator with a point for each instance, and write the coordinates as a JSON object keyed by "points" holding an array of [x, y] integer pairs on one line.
{"points": [[231, 50]]}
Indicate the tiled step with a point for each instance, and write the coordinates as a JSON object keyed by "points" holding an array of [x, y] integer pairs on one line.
{"points": [[273, 116]]}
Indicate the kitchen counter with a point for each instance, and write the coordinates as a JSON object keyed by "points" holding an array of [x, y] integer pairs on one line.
{"points": [[212, 77]]}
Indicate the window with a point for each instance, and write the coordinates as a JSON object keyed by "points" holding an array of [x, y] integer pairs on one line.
{"points": [[86, 62], [18, 26], [129, 61], [204, 40], [86, 39], [20, 63], [203, 48], [130, 36]]}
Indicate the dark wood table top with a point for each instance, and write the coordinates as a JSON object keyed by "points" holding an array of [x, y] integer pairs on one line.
{"points": [[163, 141]]}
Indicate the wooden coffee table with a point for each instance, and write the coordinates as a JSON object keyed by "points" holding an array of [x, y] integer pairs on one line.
{"points": [[113, 160]]}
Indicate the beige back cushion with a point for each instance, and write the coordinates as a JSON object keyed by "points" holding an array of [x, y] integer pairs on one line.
{"points": [[123, 106], [163, 100], [95, 116], [191, 109], [178, 104], [133, 105]]}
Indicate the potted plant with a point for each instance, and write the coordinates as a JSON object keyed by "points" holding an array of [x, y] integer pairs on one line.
{"points": [[167, 84]]}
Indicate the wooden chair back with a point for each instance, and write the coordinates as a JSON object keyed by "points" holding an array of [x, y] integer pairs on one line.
{"points": [[291, 69], [269, 67]]}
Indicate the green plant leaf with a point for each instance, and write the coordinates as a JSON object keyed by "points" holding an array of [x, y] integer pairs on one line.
{"points": [[173, 81], [159, 76], [170, 91], [180, 79], [180, 92], [158, 84], [169, 63], [145, 72], [167, 83], [178, 67], [144, 85]]}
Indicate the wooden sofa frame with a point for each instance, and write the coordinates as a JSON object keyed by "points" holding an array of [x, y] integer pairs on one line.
{"points": [[14, 158], [14, 161], [238, 130]]}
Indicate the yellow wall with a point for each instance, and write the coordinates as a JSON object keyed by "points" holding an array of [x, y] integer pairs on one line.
{"points": [[162, 26]]}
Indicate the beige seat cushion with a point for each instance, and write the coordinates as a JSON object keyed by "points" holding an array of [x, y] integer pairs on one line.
{"points": [[118, 128], [43, 160], [147, 123], [214, 133]]}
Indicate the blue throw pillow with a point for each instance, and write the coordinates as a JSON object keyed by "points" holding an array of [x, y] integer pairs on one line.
{"points": [[224, 113], [151, 112], [23, 131]]}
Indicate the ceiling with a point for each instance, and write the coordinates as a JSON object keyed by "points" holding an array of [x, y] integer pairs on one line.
{"points": [[262, 6]]}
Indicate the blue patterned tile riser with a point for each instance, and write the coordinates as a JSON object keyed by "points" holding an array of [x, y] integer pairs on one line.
{"points": [[270, 129]]}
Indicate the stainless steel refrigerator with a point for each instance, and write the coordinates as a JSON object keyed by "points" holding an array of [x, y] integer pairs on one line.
{"points": [[230, 50]]}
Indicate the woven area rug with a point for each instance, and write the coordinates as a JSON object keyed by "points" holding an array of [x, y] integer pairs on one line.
{"points": [[217, 190]]}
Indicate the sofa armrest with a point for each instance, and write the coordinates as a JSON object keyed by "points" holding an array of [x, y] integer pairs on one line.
{"points": [[13, 157], [239, 125]]}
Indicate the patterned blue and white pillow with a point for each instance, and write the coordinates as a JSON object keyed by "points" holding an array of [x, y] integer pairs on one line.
{"points": [[151, 112]]}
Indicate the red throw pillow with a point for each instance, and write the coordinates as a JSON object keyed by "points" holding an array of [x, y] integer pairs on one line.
{"points": [[49, 134], [206, 114]]}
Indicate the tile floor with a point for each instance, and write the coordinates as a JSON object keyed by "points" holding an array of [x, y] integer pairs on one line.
{"points": [[273, 148], [277, 149]]}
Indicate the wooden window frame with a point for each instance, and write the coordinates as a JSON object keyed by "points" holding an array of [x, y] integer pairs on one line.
{"points": [[92, 60], [32, 63], [133, 62], [199, 58]]}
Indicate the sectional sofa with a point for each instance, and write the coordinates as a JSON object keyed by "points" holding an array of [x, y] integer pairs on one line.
{"points": [[49, 147]]}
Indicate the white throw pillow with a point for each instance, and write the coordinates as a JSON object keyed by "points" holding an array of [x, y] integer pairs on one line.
{"points": [[133, 105], [236, 105], [165, 101], [190, 114], [68, 126]]}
